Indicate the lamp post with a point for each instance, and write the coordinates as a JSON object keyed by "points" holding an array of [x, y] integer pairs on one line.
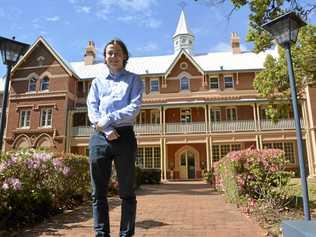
{"points": [[285, 30], [11, 51]]}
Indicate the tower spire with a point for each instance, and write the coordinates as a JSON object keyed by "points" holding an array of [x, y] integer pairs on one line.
{"points": [[183, 38]]}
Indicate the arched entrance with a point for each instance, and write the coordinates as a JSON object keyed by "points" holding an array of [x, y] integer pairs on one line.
{"points": [[187, 165]]}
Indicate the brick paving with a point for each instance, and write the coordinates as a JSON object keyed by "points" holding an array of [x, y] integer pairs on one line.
{"points": [[174, 209]]}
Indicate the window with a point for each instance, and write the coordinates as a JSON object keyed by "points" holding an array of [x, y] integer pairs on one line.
{"points": [[25, 118], [44, 84], [213, 83], [287, 147], [185, 115], [154, 85], [289, 152], [154, 116], [231, 114], [184, 83], [148, 157], [263, 113], [141, 117], [183, 66], [225, 149], [32, 85], [215, 115], [221, 150], [46, 117], [228, 82], [144, 85]]}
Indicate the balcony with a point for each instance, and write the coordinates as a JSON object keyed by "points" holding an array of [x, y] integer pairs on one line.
{"points": [[233, 126], [199, 127], [148, 129], [281, 124], [185, 128]]}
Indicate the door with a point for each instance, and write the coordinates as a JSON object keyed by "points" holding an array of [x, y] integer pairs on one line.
{"points": [[191, 165], [187, 165]]}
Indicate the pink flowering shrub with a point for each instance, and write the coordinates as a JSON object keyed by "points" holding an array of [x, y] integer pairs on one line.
{"points": [[35, 184], [253, 176]]}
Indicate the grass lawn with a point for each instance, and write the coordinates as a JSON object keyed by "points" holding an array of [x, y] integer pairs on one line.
{"points": [[296, 184]]}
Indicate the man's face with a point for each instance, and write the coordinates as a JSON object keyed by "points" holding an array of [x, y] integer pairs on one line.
{"points": [[114, 57]]}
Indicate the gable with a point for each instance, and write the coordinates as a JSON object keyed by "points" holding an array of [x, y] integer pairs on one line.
{"points": [[179, 67], [39, 56], [35, 58]]}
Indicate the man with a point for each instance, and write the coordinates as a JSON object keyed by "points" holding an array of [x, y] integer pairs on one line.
{"points": [[113, 103]]}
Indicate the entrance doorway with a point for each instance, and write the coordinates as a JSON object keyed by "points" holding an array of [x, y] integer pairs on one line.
{"points": [[187, 165]]}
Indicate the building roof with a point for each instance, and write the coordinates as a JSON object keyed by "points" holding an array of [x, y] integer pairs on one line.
{"points": [[59, 58], [218, 61], [182, 27]]}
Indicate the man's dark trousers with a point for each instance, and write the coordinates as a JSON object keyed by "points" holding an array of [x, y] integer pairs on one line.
{"points": [[102, 153]]}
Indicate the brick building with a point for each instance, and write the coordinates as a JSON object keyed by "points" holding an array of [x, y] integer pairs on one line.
{"points": [[196, 108]]}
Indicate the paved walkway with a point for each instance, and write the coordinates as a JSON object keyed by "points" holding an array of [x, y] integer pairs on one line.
{"points": [[180, 209]]}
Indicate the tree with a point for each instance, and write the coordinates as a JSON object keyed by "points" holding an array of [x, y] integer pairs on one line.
{"points": [[272, 82]]}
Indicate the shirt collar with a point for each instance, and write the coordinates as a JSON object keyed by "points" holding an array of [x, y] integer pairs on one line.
{"points": [[116, 75]]}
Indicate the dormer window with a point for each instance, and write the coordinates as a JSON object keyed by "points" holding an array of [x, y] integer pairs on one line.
{"points": [[213, 83], [184, 83], [32, 85], [154, 85], [44, 84], [228, 82]]}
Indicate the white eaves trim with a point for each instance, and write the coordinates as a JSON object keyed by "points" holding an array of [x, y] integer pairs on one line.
{"points": [[62, 62], [183, 51]]}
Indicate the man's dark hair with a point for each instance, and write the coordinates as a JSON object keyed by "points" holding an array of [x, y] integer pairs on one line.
{"points": [[123, 47]]}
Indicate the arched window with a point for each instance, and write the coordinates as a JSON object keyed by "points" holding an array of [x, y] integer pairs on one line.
{"points": [[44, 84], [184, 83], [32, 85]]}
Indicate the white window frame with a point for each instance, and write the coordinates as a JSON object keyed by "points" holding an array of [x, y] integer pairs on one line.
{"points": [[232, 82], [42, 83], [219, 148], [153, 158], [229, 114], [270, 145], [144, 85], [25, 118], [180, 81], [46, 123], [34, 79], [215, 110], [141, 117], [210, 83], [158, 86], [184, 113], [155, 114]]}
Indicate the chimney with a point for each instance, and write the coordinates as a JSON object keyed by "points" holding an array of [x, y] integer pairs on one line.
{"points": [[90, 54], [235, 42]]}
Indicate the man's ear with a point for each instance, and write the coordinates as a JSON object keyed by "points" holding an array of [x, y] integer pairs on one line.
{"points": [[105, 62]]}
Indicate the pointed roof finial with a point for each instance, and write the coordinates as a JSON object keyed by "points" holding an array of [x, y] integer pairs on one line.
{"points": [[182, 4], [182, 28]]}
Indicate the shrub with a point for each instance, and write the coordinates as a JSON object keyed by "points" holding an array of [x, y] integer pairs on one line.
{"points": [[35, 184], [253, 176], [208, 176], [150, 176]]}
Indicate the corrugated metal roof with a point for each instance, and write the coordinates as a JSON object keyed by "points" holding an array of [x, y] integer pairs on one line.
{"points": [[159, 64]]}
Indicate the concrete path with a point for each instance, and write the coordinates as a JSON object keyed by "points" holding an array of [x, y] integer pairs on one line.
{"points": [[179, 209]]}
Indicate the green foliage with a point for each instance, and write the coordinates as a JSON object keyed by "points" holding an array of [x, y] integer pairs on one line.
{"points": [[273, 83], [256, 176], [208, 176], [35, 184], [148, 176]]}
